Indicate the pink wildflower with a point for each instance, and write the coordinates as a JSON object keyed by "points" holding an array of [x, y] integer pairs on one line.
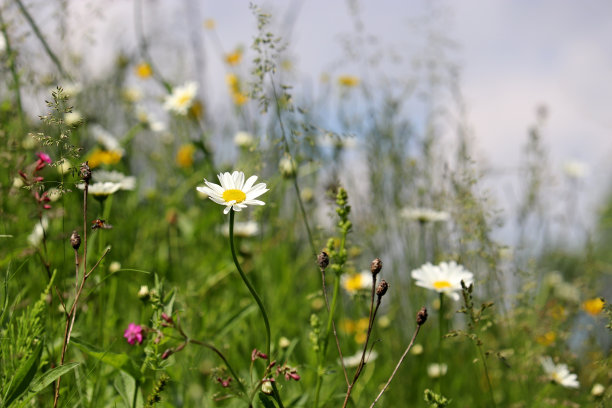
{"points": [[44, 157], [133, 333]]}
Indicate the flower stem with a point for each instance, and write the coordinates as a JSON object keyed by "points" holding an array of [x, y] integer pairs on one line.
{"points": [[254, 294], [441, 332]]}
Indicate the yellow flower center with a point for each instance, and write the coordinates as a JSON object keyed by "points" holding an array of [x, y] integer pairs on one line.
{"points": [[234, 195], [183, 99], [556, 378], [441, 284]]}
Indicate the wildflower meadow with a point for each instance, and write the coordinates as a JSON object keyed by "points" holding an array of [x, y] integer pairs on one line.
{"points": [[198, 225]]}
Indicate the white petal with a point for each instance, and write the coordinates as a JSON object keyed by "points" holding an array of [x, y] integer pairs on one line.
{"points": [[249, 183]]}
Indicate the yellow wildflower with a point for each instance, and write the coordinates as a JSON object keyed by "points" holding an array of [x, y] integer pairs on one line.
{"points": [[234, 58], [184, 156], [209, 24], [360, 337], [233, 82], [143, 70], [240, 98], [547, 338], [593, 306], [348, 81], [98, 157]]}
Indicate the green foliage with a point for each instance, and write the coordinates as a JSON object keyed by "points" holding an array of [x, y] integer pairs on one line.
{"points": [[436, 400]]}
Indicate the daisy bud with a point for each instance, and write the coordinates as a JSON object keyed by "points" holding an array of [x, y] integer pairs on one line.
{"points": [[323, 260], [376, 266], [266, 387], [421, 316], [75, 240], [382, 288], [85, 172]]}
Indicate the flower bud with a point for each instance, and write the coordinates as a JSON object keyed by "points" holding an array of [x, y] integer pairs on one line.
{"points": [[85, 172], [376, 266], [75, 240], [323, 260], [421, 316], [382, 288], [266, 387]]}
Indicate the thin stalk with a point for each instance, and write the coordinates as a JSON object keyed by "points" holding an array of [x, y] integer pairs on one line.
{"points": [[40, 37], [256, 297], [416, 332], [441, 334], [222, 357], [486, 370]]}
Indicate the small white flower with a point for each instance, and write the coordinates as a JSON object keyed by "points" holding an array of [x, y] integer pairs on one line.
{"points": [[243, 229], [243, 139], [36, 237], [355, 282], [284, 342], [132, 94], [424, 215], [598, 390], [436, 370], [417, 349], [105, 138], [73, 118], [143, 292], [147, 118], [114, 266], [54, 194], [103, 176], [355, 359], [234, 193], [559, 373], [2, 45], [17, 182], [72, 89], [575, 169], [287, 166], [443, 278], [64, 167], [181, 98]]}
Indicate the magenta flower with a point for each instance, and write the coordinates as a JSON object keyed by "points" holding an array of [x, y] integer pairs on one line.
{"points": [[44, 157], [133, 333]]}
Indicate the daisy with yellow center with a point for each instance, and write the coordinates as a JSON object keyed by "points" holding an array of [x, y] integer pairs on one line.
{"points": [[181, 98], [184, 155], [356, 282], [443, 278], [234, 192], [348, 81], [559, 373], [234, 58]]}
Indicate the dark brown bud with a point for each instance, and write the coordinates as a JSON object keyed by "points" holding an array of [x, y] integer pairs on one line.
{"points": [[376, 266], [75, 240], [421, 316], [85, 172], [323, 260], [382, 288]]}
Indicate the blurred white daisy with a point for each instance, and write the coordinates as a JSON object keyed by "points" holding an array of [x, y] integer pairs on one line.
{"points": [[243, 139], [105, 138], [355, 282], [181, 98], [355, 359], [101, 189], [103, 176], [435, 370], [598, 390], [424, 215], [243, 229], [559, 373], [443, 278], [36, 237], [73, 118], [148, 119], [575, 169], [234, 192]]}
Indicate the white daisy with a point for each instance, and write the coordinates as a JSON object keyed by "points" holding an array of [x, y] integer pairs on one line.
{"points": [[125, 182], [101, 189], [105, 138], [435, 370], [575, 169], [36, 237], [181, 98], [244, 139], [424, 215], [234, 192], [559, 373], [443, 278]]}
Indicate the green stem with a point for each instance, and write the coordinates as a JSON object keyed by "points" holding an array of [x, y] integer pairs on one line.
{"points": [[441, 332], [255, 296], [486, 370]]}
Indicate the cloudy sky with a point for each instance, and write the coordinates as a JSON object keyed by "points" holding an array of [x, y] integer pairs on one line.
{"points": [[513, 56]]}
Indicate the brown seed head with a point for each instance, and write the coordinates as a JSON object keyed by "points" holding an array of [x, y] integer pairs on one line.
{"points": [[382, 288], [421, 316], [376, 266], [323, 260], [75, 240], [85, 172]]}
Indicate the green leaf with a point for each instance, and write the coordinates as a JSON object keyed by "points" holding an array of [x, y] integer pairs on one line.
{"points": [[43, 381], [23, 376], [126, 387], [120, 361], [266, 400]]}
